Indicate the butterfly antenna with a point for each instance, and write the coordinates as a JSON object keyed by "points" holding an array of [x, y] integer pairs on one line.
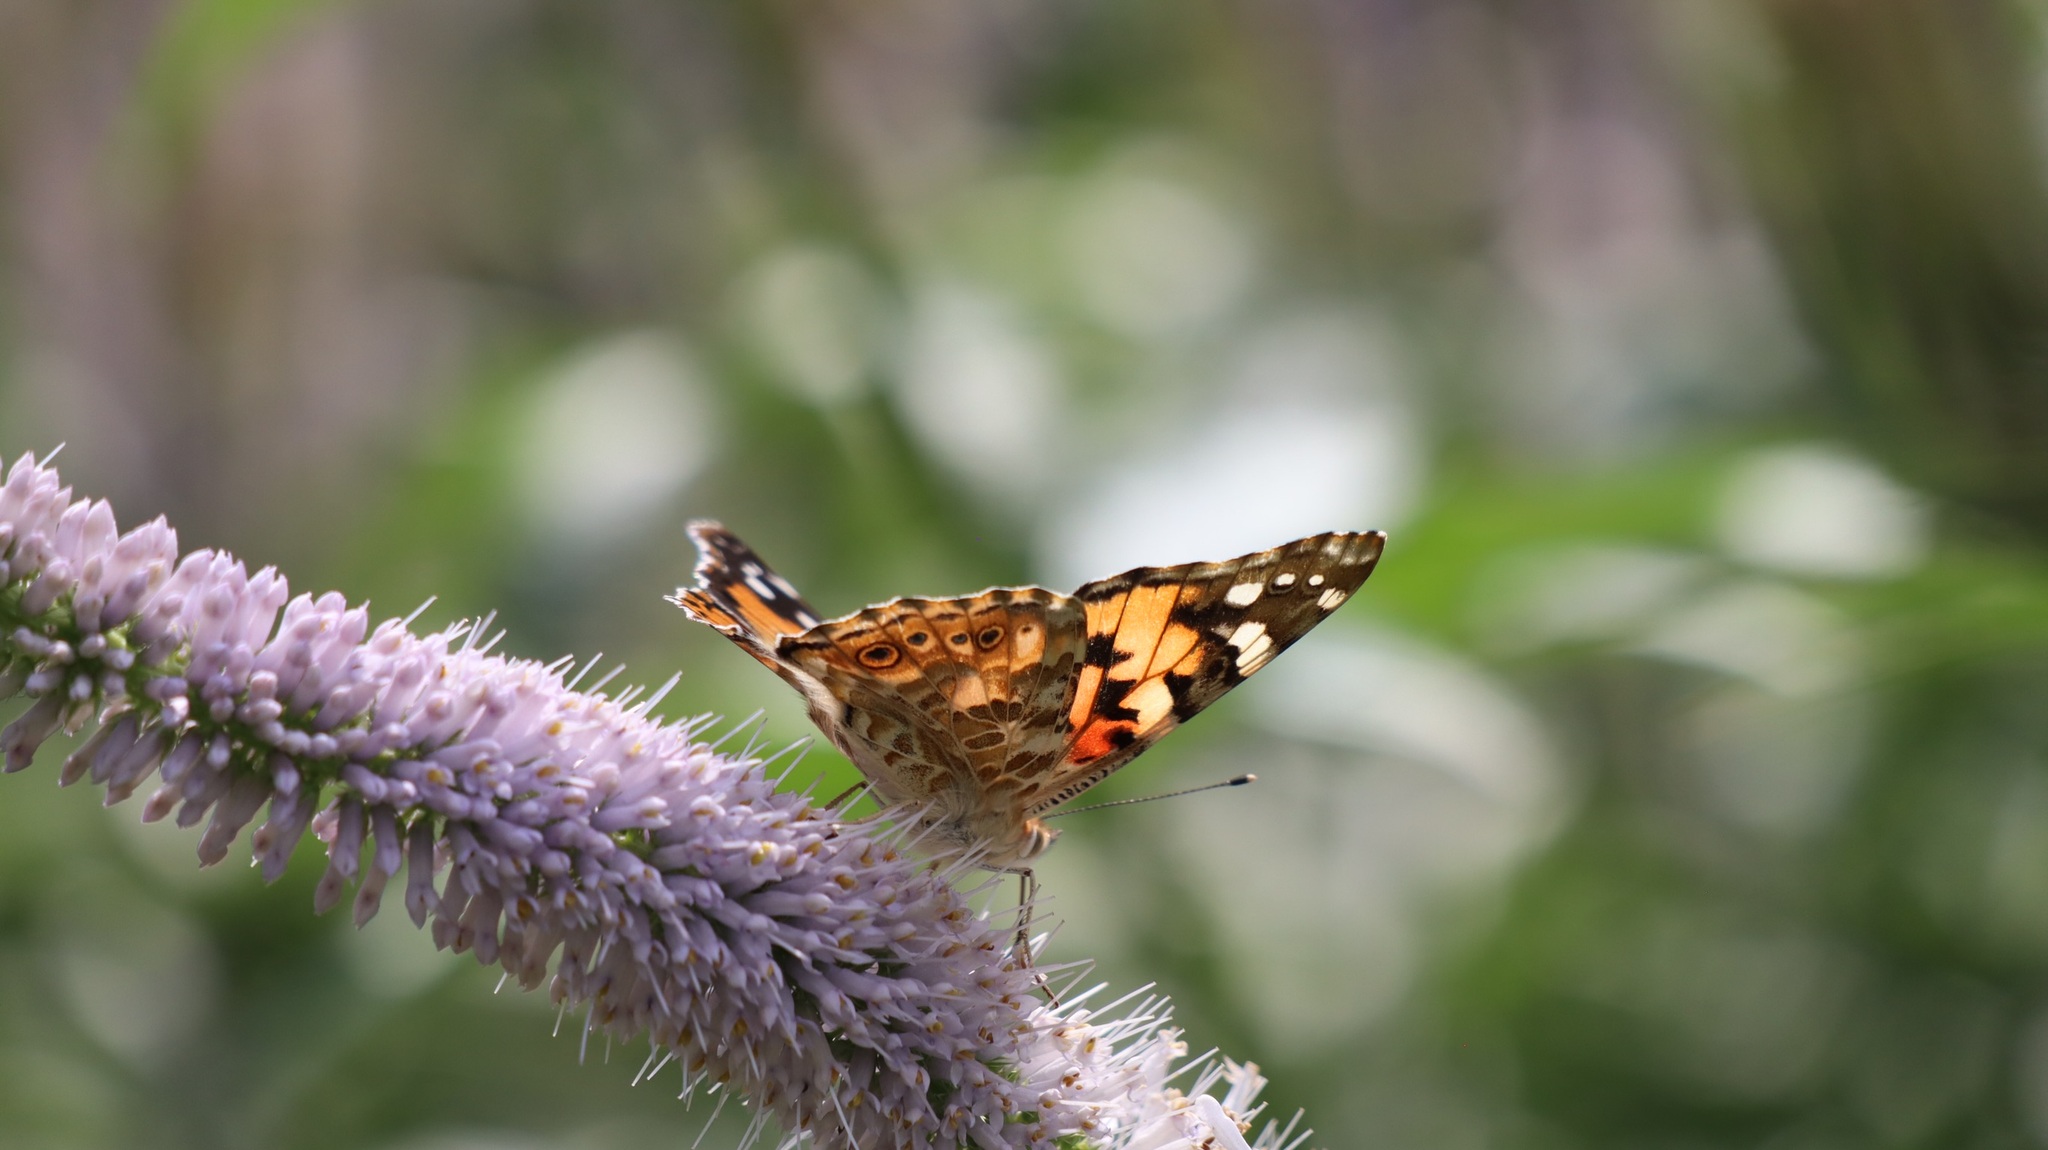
{"points": [[1236, 782]]}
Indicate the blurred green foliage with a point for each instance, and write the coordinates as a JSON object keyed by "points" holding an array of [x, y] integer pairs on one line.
{"points": [[1677, 782]]}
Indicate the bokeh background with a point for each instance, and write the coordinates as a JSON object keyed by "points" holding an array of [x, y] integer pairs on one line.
{"points": [[1678, 782]]}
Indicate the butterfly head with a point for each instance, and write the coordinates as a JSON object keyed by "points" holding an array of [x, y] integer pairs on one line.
{"points": [[1036, 839]]}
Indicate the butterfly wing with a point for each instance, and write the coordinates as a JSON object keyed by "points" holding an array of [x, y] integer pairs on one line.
{"points": [[1165, 642], [958, 701], [743, 599]]}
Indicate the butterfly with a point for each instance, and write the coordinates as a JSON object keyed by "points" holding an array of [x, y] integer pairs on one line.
{"points": [[986, 712]]}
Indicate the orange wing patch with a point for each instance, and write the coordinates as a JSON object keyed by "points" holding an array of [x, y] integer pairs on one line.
{"points": [[1123, 695]]}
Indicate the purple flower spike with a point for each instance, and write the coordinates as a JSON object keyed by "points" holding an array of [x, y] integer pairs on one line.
{"points": [[842, 989]]}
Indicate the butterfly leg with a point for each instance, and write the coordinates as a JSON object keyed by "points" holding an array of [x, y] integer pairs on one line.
{"points": [[846, 794], [1027, 894]]}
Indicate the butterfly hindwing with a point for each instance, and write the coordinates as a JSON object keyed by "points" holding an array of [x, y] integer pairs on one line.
{"points": [[948, 694]]}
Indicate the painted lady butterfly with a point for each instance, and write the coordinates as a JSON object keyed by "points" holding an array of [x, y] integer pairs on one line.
{"points": [[990, 710]]}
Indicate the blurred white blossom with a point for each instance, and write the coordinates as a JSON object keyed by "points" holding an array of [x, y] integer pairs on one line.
{"points": [[1809, 509], [613, 434]]}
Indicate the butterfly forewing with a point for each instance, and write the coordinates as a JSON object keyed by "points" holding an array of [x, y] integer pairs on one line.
{"points": [[945, 694], [1165, 642], [740, 596]]}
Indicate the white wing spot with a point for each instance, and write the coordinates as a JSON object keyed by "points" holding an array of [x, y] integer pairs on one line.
{"points": [[1244, 594], [760, 587], [1251, 658], [1315, 580], [1284, 579], [783, 586], [806, 619], [1153, 700], [1329, 600], [1247, 634]]}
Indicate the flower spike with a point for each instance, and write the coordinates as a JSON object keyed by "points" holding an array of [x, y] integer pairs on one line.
{"points": [[661, 886]]}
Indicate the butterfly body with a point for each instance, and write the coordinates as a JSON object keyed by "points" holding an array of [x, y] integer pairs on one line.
{"points": [[987, 711]]}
